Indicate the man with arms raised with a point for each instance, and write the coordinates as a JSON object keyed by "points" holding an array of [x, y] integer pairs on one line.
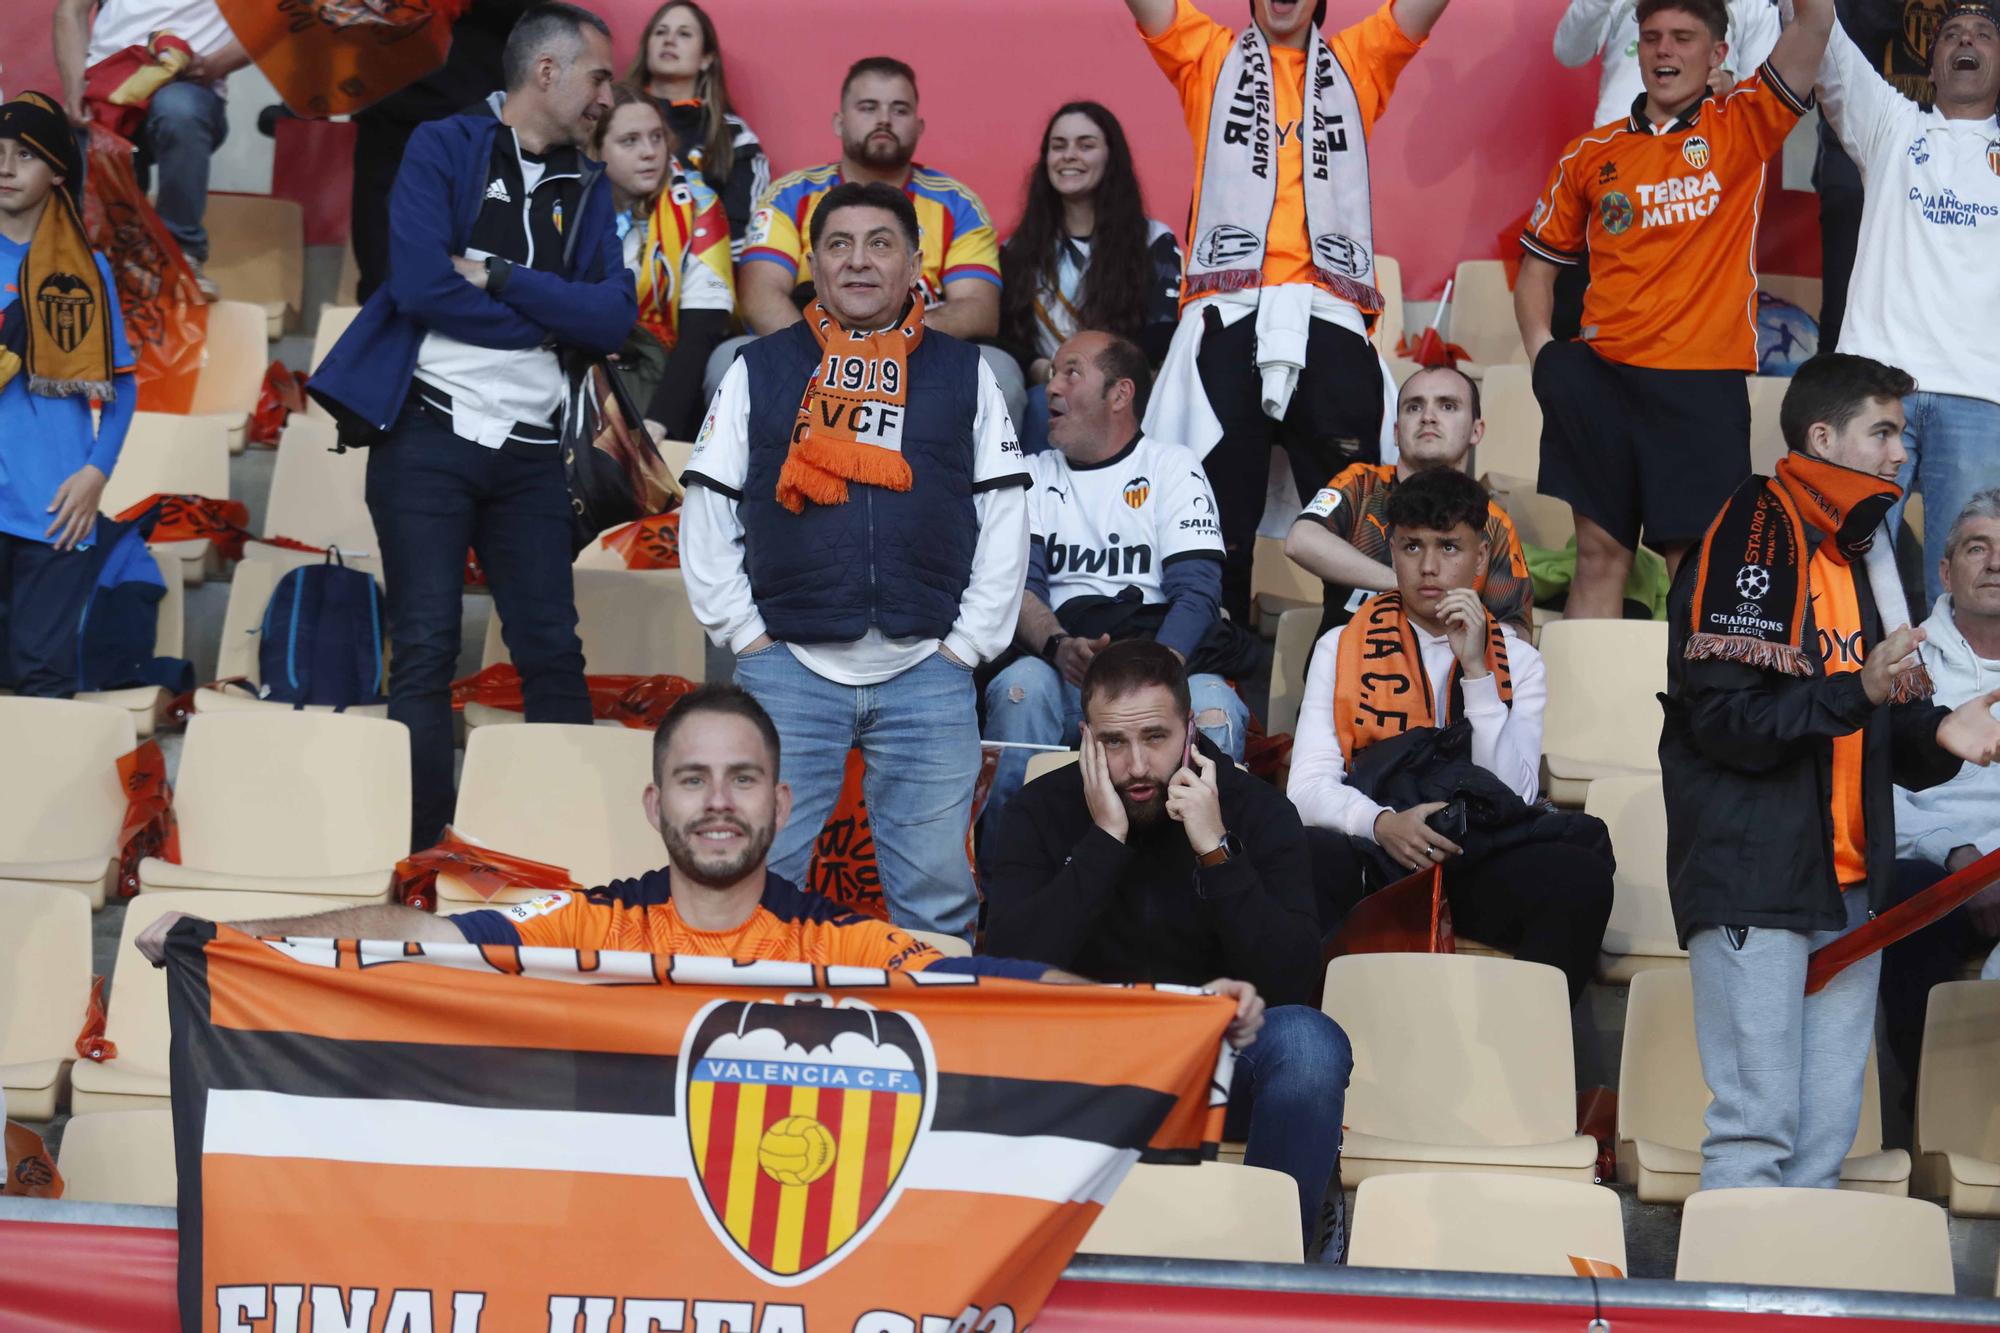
{"points": [[1343, 537]]}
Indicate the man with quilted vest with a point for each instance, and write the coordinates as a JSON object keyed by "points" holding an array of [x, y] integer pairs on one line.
{"points": [[856, 531]]}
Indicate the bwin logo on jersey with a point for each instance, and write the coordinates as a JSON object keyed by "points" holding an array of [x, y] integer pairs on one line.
{"points": [[1113, 560]]}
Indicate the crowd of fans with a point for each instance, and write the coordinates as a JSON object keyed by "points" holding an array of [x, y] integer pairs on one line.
{"points": [[944, 488]]}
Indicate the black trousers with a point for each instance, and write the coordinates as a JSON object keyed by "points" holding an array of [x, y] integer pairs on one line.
{"points": [[1914, 964], [379, 141], [1335, 419], [1839, 239], [42, 592]]}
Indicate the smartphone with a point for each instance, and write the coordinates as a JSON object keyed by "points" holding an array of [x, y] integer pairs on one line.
{"points": [[1187, 750]]}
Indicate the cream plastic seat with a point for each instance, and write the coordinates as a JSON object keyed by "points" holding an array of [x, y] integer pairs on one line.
{"points": [[1298, 634], [169, 633], [1048, 761], [317, 494], [951, 946], [1512, 444], [234, 359], [1211, 1211], [250, 587], [1390, 327], [289, 802], [1641, 932], [1461, 1063], [1808, 294], [119, 1157], [1958, 1098], [1603, 720], [1767, 440], [136, 1079], [1482, 317], [44, 991], [1277, 583], [1475, 1222], [564, 795], [333, 321], [167, 454], [60, 814], [1815, 1238], [633, 622], [257, 254], [1662, 1099]]}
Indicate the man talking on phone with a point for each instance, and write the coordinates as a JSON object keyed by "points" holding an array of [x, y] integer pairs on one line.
{"points": [[1156, 859]]}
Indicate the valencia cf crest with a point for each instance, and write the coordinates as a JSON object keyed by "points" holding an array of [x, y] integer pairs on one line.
{"points": [[66, 308], [801, 1118], [1993, 158], [1136, 491], [1695, 152]]}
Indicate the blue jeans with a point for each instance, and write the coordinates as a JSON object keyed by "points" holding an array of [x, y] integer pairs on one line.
{"points": [[185, 124], [1029, 702], [919, 737], [1290, 1090], [433, 495], [1954, 447]]}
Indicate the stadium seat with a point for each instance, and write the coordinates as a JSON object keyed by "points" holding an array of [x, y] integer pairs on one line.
{"points": [[289, 802], [119, 1157], [60, 813], [169, 634], [1539, 520], [233, 362], [333, 321], [1603, 718], [317, 494], [1767, 439], [250, 588], [1662, 1098], [633, 622], [1808, 294], [1482, 317], [44, 991], [1478, 1222], [167, 454], [1958, 1092], [951, 946], [1298, 634], [1512, 444], [1641, 931], [1815, 1238], [257, 254], [1389, 325], [565, 795], [136, 1078], [1277, 584], [1461, 1063], [1048, 761], [1211, 1211]]}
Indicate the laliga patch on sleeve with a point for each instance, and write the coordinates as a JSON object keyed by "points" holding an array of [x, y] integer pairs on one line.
{"points": [[540, 905], [1324, 503], [759, 230], [1541, 211]]}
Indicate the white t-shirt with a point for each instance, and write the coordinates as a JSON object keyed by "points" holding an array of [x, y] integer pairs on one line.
{"points": [[1609, 31], [123, 23], [1108, 526]]}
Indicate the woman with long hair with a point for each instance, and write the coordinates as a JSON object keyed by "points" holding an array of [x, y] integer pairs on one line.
{"points": [[679, 66], [1085, 255], [677, 245]]}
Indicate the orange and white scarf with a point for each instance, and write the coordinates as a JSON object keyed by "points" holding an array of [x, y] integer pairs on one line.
{"points": [[1380, 687], [850, 423]]}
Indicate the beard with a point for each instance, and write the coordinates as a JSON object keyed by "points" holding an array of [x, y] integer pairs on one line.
{"points": [[1145, 814], [884, 152], [685, 852]]}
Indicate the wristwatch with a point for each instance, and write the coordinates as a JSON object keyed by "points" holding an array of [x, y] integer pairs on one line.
{"points": [[1225, 850], [1049, 646], [498, 270]]}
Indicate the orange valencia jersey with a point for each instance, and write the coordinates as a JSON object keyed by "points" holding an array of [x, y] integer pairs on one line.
{"points": [[1668, 218]]}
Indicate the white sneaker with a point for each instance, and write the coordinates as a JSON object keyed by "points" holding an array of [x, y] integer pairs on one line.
{"points": [[204, 283]]}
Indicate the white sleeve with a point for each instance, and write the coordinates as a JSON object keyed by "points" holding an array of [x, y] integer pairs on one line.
{"points": [[1922, 835], [1862, 107], [1757, 29], [991, 604], [712, 562], [1581, 33], [1318, 784], [1507, 742], [702, 288], [1187, 512]]}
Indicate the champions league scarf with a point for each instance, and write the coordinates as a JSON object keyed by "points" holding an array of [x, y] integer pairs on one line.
{"points": [[1380, 687], [686, 218], [1239, 177], [59, 325], [1751, 589], [850, 424]]}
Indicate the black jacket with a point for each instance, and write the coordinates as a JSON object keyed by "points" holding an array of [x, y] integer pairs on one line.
{"points": [[1747, 759], [1060, 890]]}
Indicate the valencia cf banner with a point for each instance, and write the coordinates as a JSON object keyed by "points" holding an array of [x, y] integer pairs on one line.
{"points": [[458, 1138]]}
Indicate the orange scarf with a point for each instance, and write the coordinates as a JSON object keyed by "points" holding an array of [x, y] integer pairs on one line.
{"points": [[850, 424], [1380, 687]]}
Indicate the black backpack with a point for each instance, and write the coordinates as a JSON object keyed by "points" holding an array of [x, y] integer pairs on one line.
{"points": [[323, 638]]}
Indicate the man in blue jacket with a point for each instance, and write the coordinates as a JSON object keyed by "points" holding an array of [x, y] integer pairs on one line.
{"points": [[505, 251]]}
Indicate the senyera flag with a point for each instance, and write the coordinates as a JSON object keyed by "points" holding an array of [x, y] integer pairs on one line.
{"points": [[481, 1139]]}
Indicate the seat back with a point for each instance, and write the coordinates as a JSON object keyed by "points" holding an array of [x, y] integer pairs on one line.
{"points": [[1298, 633], [567, 795], [1512, 442], [169, 454], [1815, 1238], [234, 358], [251, 585], [1482, 314], [1484, 1222], [1455, 1049], [1275, 574], [286, 793], [633, 622], [318, 495], [1389, 324], [170, 627], [1211, 1211], [1958, 1081], [1634, 809], [119, 1157], [1808, 294], [333, 321], [1048, 761], [1604, 681], [60, 796], [1767, 438], [44, 971], [951, 946], [257, 248]]}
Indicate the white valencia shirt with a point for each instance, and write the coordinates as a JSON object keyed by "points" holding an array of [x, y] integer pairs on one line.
{"points": [[1608, 30], [1506, 741], [1925, 295], [718, 584]]}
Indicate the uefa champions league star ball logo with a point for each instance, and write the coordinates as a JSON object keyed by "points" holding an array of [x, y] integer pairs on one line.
{"points": [[1753, 582]]}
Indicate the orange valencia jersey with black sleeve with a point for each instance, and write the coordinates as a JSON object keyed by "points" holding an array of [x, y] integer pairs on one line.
{"points": [[1667, 215]]}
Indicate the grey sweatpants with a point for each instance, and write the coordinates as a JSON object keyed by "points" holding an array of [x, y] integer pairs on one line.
{"points": [[1785, 1067]]}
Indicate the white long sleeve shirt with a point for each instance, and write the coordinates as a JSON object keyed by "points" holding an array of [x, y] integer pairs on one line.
{"points": [[1931, 823], [1506, 741], [1925, 294], [1609, 30], [718, 583]]}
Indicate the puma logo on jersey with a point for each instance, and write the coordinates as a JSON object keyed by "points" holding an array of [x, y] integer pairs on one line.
{"points": [[1679, 199], [497, 192]]}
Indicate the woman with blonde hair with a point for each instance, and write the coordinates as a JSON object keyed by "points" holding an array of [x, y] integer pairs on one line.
{"points": [[679, 65]]}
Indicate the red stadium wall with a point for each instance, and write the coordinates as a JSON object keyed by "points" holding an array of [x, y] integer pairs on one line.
{"points": [[1469, 137]]}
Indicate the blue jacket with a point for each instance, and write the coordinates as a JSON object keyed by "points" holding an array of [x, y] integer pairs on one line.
{"points": [[436, 199]]}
